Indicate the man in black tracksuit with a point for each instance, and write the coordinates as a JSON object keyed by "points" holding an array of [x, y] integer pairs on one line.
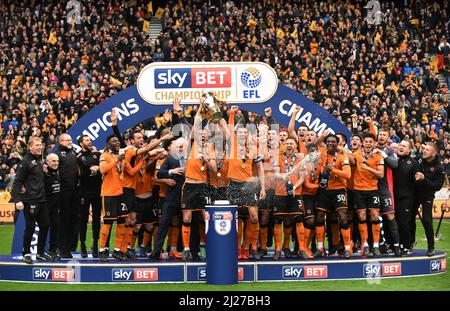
{"points": [[28, 193], [404, 183], [52, 194], [70, 197], [90, 187], [430, 179]]}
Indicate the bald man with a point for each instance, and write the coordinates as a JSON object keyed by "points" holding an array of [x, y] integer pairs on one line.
{"points": [[52, 194], [70, 197]]}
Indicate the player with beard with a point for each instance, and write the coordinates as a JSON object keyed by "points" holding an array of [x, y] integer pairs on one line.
{"points": [[332, 194], [369, 168], [355, 144], [270, 148], [300, 135], [386, 190], [404, 184]]}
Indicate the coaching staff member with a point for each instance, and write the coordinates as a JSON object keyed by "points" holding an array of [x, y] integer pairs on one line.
{"points": [[90, 187], [28, 193], [430, 179], [70, 198], [173, 169]]}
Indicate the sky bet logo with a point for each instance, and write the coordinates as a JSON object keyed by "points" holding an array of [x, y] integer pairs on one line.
{"points": [[386, 269], [201, 273], [181, 78], [53, 274], [135, 275], [304, 272], [438, 265]]}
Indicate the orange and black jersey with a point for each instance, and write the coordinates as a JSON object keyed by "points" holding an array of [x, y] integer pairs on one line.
{"points": [[364, 180], [312, 175], [132, 165], [341, 170], [144, 180], [195, 168], [241, 162], [287, 163], [162, 185], [111, 168], [220, 178]]}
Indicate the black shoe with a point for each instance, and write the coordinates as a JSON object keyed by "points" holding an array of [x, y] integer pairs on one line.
{"points": [[119, 255], [397, 251], [263, 252], [332, 249], [83, 251], [304, 255], [347, 255], [431, 253], [107, 252], [196, 258], [406, 252], [103, 256], [131, 253], [66, 255], [384, 248], [44, 257], [27, 259], [287, 253], [94, 250], [366, 251], [356, 246], [54, 255], [376, 251], [256, 254], [277, 255], [319, 253], [186, 254], [155, 256]]}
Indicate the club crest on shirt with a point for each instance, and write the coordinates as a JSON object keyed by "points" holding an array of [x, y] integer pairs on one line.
{"points": [[432, 169], [409, 162]]}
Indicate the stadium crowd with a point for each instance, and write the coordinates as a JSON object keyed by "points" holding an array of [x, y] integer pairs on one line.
{"points": [[52, 72]]}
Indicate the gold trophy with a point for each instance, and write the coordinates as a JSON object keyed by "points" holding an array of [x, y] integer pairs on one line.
{"points": [[212, 107]]}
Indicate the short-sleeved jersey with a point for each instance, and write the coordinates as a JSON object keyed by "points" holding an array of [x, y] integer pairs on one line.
{"points": [[364, 180], [220, 178], [195, 168], [287, 164], [144, 180], [239, 167], [312, 171], [335, 182], [162, 185], [111, 184], [129, 181]]}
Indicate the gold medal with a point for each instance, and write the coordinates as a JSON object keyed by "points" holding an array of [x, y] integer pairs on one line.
{"points": [[243, 165], [219, 174], [202, 168]]}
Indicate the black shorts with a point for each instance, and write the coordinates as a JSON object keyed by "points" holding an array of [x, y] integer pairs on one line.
{"points": [[309, 205], [147, 211], [366, 199], [288, 205], [351, 200], [242, 194], [114, 207], [194, 196], [217, 193], [331, 200], [269, 201], [386, 204], [129, 199]]}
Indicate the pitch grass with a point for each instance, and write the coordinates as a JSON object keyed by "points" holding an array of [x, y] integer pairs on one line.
{"points": [[425, 283]]}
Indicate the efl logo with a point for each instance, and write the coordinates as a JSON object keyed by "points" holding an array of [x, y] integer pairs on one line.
{"points": [[388, 269], [181, 78], [201, 273], [140, 274], [53, 274], [438, 265], [251, 78], [372, 270]]}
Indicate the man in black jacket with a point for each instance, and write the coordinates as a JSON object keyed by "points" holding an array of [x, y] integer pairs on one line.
{"points": [[28, 193], [173, 168], [90, 186], [52, 194], [404, 183], [70, 198], [430, 179]]}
